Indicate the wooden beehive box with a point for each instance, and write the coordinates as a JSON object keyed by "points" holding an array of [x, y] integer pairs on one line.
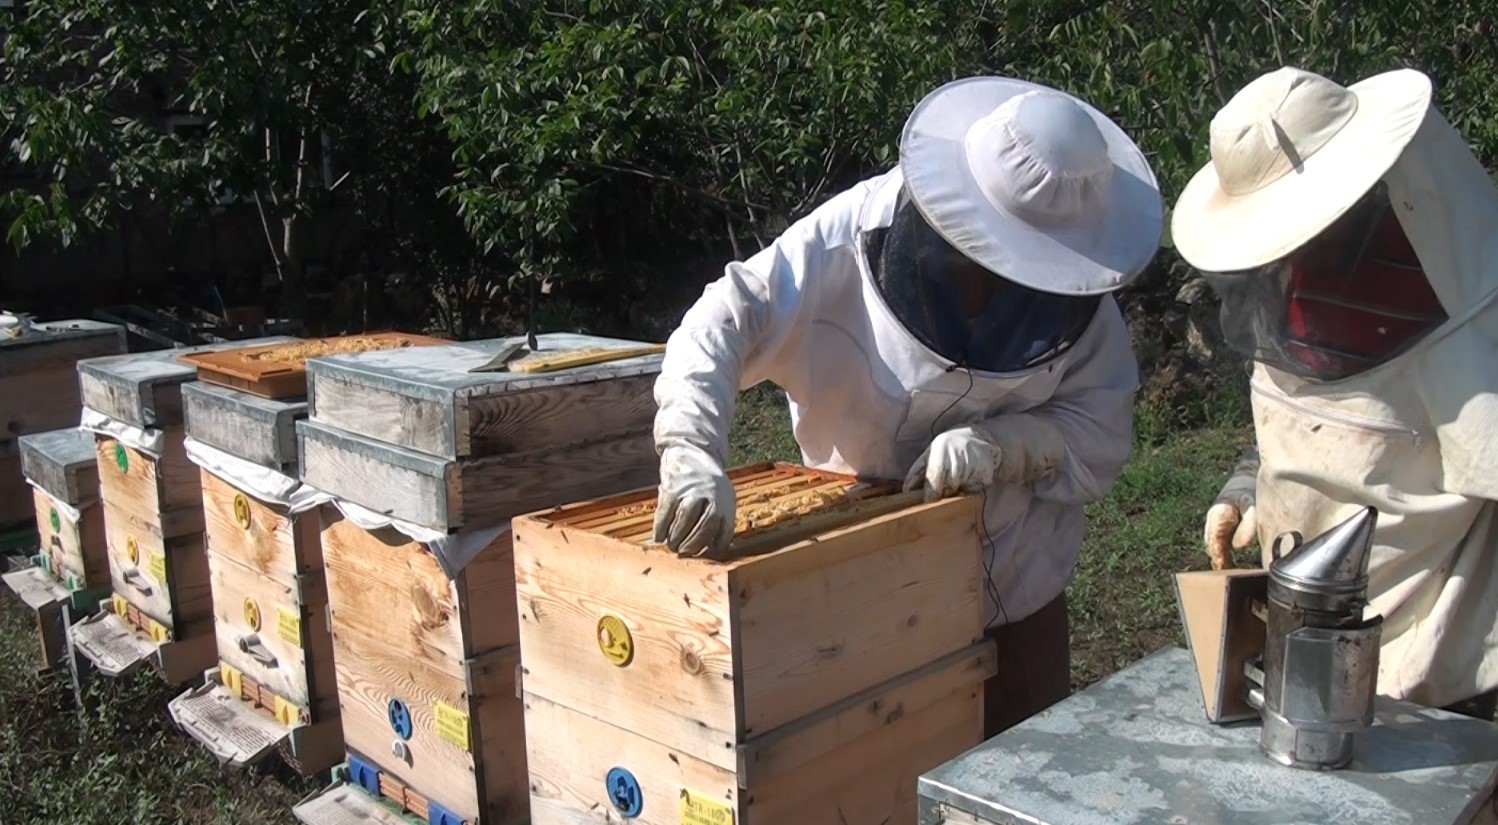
{"points": [[161, 606], [809, 679], [279, 371], [415, 434], [426, 672], [274, 687], [426, 650], [72, 567], [39, 393]]}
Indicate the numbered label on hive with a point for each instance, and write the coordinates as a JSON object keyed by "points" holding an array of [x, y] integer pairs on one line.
{"points": [[156, 566], [452, 724], [697, 809], [289, 625]]}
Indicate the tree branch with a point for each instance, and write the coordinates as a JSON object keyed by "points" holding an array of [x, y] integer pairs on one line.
{"points": [[680, 185]]}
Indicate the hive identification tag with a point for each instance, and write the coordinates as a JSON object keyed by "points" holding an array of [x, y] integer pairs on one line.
{"points": [[452, 724], [289, 625], [697, 809], [156, 566]]}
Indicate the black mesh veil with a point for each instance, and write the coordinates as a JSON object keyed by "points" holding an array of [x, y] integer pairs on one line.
{"points": [[927, 285]]}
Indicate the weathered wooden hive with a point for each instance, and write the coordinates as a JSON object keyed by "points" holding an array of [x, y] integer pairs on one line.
{"points": [[70, 573], [39, 393], [811, 678], [429, 461], [161, 610], [273, 688]]}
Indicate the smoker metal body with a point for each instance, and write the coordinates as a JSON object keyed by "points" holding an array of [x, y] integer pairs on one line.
{"points": [[1314, 685]]}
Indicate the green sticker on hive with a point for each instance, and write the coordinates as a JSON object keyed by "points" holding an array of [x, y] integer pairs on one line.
{"points": [[121, 457], [56, 522]]}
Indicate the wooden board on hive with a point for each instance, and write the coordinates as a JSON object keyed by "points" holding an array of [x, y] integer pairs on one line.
{"points": [[430, 400], [62, 462], [857, 763], [863, 584], [166, 578], [163, 491], [260, 536], [279, 371], [53, 344], [259, 430], [275, 635], [145, 389], [73, 547], [404, 631], [449, 495]]}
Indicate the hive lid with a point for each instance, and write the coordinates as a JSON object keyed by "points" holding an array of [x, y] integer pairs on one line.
{"points": [[1334, 562]]}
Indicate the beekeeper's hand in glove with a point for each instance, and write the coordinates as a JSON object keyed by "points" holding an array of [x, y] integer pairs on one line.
{"points": [[1014, 449], [695, 507], [1231, 522]]}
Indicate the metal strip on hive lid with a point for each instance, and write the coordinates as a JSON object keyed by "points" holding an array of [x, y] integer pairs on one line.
{"points": [[345, 804], [279, 371], [232, 730], [107, 641], [55, 343]]}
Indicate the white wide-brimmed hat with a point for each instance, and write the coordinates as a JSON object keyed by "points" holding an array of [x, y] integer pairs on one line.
{"points": [[1033, 184], [1291, 153]]}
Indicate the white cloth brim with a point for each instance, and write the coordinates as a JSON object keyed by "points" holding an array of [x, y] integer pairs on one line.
{"points": [[1218, 232], [1096, 257]]}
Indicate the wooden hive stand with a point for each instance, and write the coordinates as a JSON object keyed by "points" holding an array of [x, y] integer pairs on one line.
{"points": [[39, 393], [161, 610], [811, 678], [71, 569], [273, 689], [424, 629]]}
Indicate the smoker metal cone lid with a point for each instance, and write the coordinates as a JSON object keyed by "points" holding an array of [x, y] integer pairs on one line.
{"points": [[1334, 562]]}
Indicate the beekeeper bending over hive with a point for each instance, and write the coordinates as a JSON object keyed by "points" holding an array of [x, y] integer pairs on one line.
{"points": [[947, 322], [1353, 239]]}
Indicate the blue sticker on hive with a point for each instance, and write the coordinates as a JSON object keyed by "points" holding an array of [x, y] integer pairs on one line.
{"points": [[624, 792], [400, 718]]}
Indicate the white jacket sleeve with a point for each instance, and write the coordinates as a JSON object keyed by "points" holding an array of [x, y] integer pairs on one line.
{"points": [[743, 328], [1092, 412]]}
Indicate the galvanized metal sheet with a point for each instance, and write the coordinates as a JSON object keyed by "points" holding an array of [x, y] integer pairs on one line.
{"points": [[52, 458], [234, 732], [1136, 748], [111, 644], [344, 804]]}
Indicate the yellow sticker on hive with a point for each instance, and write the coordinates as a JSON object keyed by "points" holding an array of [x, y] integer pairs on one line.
{"points": [[614, 640], [252, 614], [289, 625], [121, 607], [286, 713], [132, 550], [452, 725], [231, 678], [156, 566], [697, 809]]}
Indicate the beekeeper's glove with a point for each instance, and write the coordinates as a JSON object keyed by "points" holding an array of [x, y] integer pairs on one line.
{"points": [[1014, 449], [1232, 521], [695, 507]]}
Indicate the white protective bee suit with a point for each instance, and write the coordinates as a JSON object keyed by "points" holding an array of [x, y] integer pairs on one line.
{"points": [[1414, 435], [872, 395]]}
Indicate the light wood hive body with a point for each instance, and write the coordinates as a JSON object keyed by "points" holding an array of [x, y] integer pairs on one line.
{"points": [[418, 434], [813, 676], [153, 507]]}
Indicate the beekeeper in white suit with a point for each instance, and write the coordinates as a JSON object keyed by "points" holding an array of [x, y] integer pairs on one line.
{"points": [[948, 323], [1353, 239]]}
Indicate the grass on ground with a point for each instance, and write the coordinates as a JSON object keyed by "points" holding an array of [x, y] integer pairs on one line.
{"points": [[123, 761]]}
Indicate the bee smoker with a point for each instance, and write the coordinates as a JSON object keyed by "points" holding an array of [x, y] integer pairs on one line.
{"points": [[1315, 683]]}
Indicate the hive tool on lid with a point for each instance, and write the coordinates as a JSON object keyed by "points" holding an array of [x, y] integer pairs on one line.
{"points": [[1290, 644]]}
